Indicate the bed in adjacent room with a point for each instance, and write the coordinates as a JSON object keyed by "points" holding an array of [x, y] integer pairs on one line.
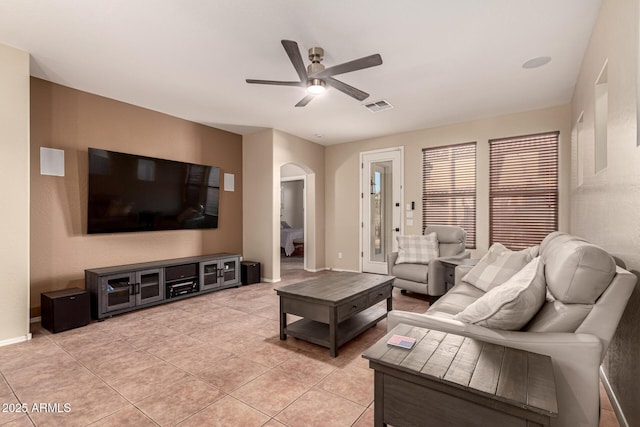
{"points": [[290, 237]]}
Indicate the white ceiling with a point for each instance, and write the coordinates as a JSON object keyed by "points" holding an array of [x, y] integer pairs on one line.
{"points": [[444, 61]]}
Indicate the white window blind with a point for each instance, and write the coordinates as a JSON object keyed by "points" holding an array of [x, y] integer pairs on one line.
{"points": [[523, 189], [449, 188]]}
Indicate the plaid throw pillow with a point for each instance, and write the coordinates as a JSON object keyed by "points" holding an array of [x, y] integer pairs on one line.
{"points": [[498, 265], [511, 305], [417, 249]]}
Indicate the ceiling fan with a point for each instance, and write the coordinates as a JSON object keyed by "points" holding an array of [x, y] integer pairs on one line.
{"points": [[316, 78]]}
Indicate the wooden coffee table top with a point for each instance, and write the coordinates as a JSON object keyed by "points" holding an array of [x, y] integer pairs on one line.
{"points": [[335, 287]]}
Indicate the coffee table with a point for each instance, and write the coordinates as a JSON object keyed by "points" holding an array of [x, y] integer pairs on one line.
{"points": [[334, 308], [451, 380]]}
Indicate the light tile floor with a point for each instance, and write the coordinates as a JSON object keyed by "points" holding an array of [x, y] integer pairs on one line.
{"points": [[211, 360]]}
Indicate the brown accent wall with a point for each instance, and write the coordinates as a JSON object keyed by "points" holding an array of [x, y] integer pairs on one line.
{"points": [[72, 120]]}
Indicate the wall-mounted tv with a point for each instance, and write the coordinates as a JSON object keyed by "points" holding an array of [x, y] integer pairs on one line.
{"points": [[137, 193]]}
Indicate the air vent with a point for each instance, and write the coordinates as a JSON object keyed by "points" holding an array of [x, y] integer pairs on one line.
{"points": [[381, 105]]}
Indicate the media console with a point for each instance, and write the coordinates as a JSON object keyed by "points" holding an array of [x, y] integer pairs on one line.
{"points": [[122, 288]]}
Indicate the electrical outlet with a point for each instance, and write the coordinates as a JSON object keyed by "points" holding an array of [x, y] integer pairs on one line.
{"points": [[339, 255]]}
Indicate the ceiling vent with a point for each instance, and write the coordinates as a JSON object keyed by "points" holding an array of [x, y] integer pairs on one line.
{"points": [[381, 105]]}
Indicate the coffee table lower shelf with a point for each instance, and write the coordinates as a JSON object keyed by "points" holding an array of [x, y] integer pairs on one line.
{"points": [[318, 332]]}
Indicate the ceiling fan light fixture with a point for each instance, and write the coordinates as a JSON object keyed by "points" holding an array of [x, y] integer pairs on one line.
{"points": [[316, 87]]}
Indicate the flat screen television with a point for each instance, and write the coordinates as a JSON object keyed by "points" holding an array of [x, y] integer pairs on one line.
{"points": [[137, 193]]}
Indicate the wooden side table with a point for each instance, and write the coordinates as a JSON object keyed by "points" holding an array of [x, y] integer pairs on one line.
{"points": [[450, 269], [451, 380]]}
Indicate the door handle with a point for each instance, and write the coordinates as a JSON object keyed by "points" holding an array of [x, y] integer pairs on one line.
{"points": [[397, 229]]}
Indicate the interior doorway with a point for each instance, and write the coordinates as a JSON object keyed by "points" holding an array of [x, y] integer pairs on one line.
{"points": [[293, 233], [382, 197]]}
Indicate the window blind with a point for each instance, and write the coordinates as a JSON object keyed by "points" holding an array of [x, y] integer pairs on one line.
{"points": [[449, 188], [523, 189]]}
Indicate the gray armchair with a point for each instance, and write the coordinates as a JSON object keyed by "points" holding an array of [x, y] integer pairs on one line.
{"points": [[428, 278]]}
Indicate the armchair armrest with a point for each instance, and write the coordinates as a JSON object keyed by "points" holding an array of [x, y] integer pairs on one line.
{"points": [[575, 359], [391, 260]]}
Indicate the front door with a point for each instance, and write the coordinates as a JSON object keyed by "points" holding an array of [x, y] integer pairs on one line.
{"points": [[381, 207]]}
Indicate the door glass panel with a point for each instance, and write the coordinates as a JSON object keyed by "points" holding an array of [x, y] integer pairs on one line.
{"points": [[229, 270], [380, 211], [117, 291], [149, 292], [210, 274]]}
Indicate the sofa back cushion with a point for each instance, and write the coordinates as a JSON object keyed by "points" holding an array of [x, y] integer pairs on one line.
{"points": [[451, 239], [577, 272], [498, 265], [555, 316]]}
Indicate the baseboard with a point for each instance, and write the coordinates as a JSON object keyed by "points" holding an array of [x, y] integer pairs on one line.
{"points": [[341, 270], [613, 399], [262, 279], [15, 340], [315, 270], [35, 319]]}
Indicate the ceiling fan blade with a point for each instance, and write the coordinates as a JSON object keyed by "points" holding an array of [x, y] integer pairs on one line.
{"points": [[293, 51], [274, 82], [348, 89], [347, 67], [304, 101]]}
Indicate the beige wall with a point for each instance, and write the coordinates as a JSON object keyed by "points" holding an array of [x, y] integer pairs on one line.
{"points": [[14, 187], [72, 120], [605, 207], [264, 153], [343, 175], [257, 214]]}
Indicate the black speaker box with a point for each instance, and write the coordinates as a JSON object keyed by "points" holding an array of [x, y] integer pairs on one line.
{"points": [[250, 272], [65, 309]]}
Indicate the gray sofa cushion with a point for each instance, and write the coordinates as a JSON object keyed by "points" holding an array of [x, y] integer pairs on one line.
{"points": [[555, 316], [576, 271], [456, 300]]}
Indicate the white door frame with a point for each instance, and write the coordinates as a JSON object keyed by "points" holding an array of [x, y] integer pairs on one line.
{"points": [[302, 178], [381, 155]]}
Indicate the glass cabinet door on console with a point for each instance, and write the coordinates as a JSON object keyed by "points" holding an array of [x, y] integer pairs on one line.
{"points": [[230, 271], [117, 292], [209, 275], [218, 273], [149, 286]]}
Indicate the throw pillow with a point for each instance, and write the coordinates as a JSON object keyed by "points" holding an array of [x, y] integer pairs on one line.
{"points": [[498, 265], [417, 249], [511, 305]]}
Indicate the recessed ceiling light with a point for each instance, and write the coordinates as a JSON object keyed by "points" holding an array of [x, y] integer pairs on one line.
{"points": [[537, 62], [318, 135]]}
